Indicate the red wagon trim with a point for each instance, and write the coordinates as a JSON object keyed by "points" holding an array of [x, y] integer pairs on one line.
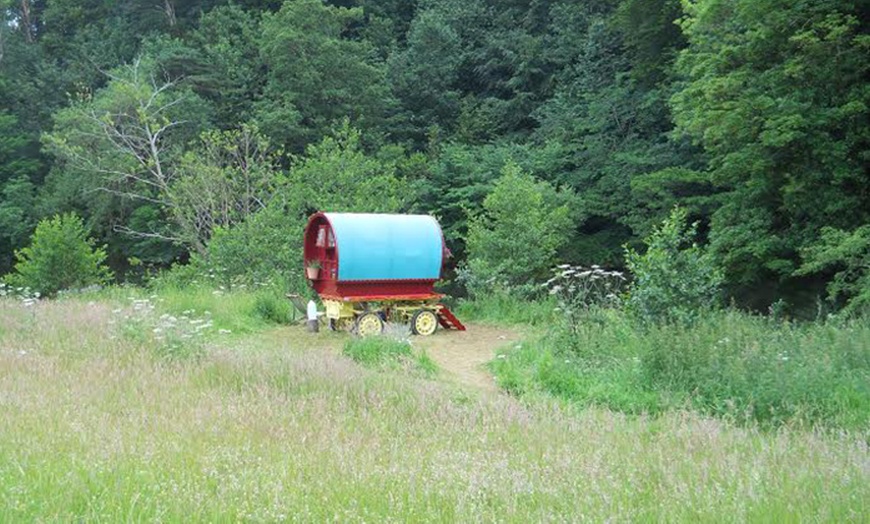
{"points": [[384, 298]]}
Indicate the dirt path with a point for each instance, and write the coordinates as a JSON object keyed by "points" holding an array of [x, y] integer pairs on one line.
{"points": [[462, 354]]}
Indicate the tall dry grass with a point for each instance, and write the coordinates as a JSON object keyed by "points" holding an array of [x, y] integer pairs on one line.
{"points": [[97, 426]]}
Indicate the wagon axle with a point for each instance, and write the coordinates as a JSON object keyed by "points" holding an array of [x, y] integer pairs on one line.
{"points": [[367, 318]]}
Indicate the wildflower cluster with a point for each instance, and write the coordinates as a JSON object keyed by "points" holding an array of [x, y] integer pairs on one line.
{"points": [[27, 296], [578, 290], [169, 335], [579, 287]]}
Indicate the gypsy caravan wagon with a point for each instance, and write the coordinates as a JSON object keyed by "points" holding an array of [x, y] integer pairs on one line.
{"points": [[372, 268]]}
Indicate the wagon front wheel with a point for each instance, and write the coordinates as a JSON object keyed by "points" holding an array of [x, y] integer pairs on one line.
{"points": [[424, 322], [369, 324]]}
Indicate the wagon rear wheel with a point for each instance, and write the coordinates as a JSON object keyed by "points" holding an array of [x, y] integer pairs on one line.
{"points": [[424, 322], [369, 324]]}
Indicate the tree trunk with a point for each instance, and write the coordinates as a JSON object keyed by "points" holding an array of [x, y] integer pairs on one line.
{"points": [[169, 10], [26, 21]]}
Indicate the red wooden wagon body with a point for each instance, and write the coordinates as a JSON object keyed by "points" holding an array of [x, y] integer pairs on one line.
{"points": [[382, 264]]}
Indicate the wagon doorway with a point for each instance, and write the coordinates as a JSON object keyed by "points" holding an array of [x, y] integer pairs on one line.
{"points": [[326, 250]]}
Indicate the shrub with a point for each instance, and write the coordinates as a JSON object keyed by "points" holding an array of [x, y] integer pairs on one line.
{"points": [[514, 242], [271, 307], [675, 279], [60, 256], [849, 254], [267, 246]]}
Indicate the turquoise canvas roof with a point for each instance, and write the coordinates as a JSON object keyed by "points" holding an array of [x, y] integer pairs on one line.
{"points": [[387, 247]]}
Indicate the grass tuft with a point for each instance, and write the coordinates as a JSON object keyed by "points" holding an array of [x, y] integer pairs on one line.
{"points": [[385, 352]]}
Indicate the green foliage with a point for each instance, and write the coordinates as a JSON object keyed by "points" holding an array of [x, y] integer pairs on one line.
{"points": [[648, 30], [424, 74], [15, 149], [514, 242], [610, 120], [317, 75], [266, 247], [849, 254], [228, 67], [385, 352], [475, 69], [117, 150], [229, 177], [750, 115], [675, 280], [730, 364], [500, 308], [60, 256], [273, 308], [338, 175], [456, 182], [16, 217], [780, 108]]}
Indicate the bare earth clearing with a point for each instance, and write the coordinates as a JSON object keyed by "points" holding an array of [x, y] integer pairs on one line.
{"points": [[463, 354]]}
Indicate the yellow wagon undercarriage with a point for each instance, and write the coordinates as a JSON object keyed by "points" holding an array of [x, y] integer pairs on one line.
{"points": [[369, 317]]}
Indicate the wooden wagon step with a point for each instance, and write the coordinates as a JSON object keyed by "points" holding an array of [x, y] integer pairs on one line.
{"points": [[448, 320]]}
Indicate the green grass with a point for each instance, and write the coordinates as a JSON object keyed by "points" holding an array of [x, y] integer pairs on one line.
{"points": [[385, 352], [729, 364], [535, 367], [500, 309], [242, 310], [97, 427]]}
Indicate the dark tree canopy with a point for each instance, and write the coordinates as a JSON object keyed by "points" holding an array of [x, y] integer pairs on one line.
{"points": [[751, 116]]}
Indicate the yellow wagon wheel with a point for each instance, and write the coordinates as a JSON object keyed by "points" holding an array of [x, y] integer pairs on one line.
{"points": [[369, 324], [424, 322]]}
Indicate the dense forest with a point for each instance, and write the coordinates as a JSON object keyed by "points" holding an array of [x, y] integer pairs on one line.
{"points": [[201, 133]]}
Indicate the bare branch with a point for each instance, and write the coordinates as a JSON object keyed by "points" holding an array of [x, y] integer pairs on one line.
{"points": [[133, 196], [147, 234]]}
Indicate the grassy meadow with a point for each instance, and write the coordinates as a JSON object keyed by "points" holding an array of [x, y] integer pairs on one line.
{"points": [[126, 409], [745, 368]]}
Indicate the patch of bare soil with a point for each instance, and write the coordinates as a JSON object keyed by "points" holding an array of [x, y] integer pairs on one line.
{"points": [[463, 354]]}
